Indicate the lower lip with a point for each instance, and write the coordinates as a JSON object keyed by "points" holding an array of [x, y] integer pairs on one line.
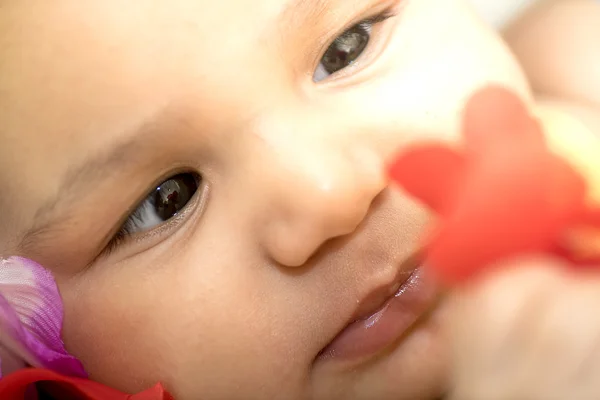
{"points": [[372, 335]]}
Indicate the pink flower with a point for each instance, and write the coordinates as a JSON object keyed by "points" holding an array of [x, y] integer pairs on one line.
{"points": [[31, 317]]}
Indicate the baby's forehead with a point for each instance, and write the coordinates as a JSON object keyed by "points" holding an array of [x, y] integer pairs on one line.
{"points": [[116, 43], [63, 28], [213, 13]]}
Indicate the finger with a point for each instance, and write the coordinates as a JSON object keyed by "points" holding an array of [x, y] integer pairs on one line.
{"points": [[491, 324], [568, 338]]}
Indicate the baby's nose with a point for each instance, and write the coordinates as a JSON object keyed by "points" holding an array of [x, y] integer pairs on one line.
{"points": [[316, 192]]}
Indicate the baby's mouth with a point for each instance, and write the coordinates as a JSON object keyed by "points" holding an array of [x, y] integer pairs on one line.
{"points": [[384, 316]]}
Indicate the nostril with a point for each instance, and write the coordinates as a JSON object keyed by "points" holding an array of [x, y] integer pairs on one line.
{"points": [[324, 197], [291, 248], [292, 241]]}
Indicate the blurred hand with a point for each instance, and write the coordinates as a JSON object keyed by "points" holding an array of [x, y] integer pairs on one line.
{"points": [[530, 331]]}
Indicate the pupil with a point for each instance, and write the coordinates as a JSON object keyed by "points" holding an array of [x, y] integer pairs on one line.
{"points": [[173, 195], [345, 49]]}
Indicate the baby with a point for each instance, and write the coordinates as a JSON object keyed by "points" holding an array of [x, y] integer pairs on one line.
{"points": [[206, 182]]}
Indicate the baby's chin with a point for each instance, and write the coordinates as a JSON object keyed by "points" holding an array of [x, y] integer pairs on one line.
{"points": [[413, 368]]}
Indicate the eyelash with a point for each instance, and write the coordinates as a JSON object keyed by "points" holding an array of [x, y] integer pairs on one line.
{"points": [[126, 233], [117, 240], [365, 25], [379, 18]]}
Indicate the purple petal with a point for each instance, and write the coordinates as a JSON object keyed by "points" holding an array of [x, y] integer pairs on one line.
{"points": [[31, 317]]}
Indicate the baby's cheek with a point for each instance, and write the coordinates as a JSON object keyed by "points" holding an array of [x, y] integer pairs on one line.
{"points": [[198, 333], [115, 329]]}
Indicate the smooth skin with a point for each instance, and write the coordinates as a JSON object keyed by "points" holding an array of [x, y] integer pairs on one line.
{"points": [[295, 219]]}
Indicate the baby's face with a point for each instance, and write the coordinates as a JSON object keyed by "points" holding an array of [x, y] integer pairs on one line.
{"points": [[206, 181]]}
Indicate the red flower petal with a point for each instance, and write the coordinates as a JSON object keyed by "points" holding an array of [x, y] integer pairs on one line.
{"points": [[508, 194], [495, 115], [580, 244], [517, 196], [507, 208], [591, 218], [431, 173], [14, 386]]}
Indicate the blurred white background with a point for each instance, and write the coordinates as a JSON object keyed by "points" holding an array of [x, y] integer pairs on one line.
{"points": [[499, 12]]}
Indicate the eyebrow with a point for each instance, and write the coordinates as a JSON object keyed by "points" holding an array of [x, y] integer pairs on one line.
{"points": [[297, 12], [94, 169]]}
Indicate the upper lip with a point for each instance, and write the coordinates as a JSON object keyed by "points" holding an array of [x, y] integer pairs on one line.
{"points": [[375, 299]]}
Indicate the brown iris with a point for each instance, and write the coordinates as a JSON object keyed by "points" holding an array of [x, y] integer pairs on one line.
{"points": [[173, 195], [346, 49]]}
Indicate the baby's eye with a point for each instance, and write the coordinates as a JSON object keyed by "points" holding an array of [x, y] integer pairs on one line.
{"points": [[348, 47], [172, 196], [166, 201], [344, 50]]}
